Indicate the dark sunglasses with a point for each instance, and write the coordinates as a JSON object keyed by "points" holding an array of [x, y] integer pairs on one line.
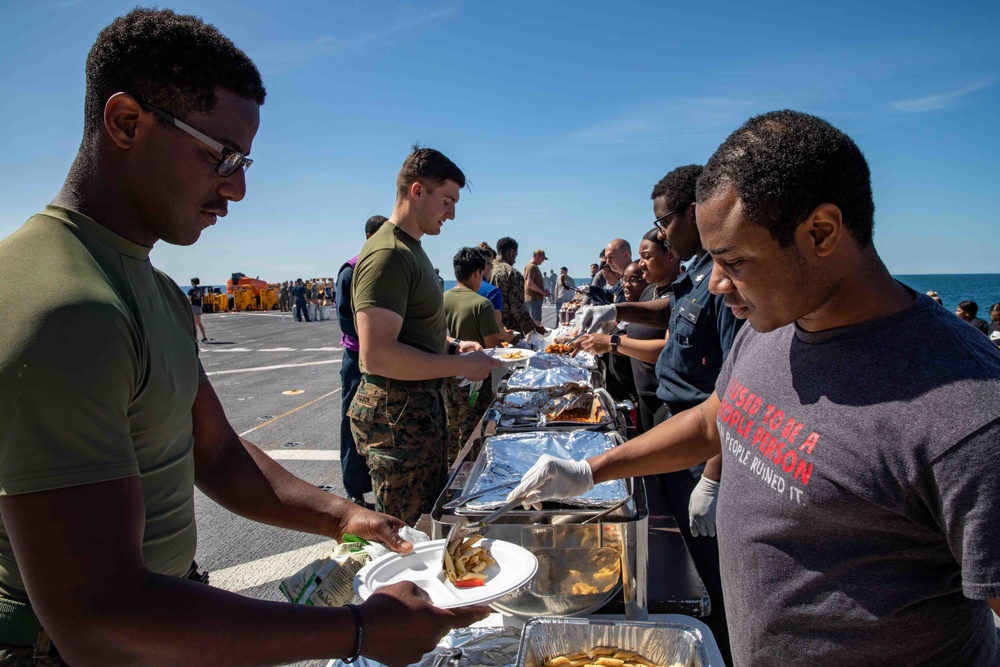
{"points": [[230, 160]]}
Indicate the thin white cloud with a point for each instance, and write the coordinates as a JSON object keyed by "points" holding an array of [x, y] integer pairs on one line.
{"points": [[284, 57], [942, 100], [692, 115]]}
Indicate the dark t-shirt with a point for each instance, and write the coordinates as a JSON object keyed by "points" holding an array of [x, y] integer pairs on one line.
{"points": [[644, 373], [980, 324], [860, 503], [994, 332], [195, 295], [299, 292]]}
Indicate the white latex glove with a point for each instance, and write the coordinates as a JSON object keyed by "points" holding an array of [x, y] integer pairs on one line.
{"points": [[550, 479], [701, 507], [592, 318]]}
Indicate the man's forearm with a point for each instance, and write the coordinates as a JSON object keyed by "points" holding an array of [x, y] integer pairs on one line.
{"points": [[535, 288], [680, 442], [246, 481], [655, 313], [400, 361], [159, 620]]}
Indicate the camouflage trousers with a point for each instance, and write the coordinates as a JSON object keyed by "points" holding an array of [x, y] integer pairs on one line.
{"points": [[402, 432], [462, 417]]}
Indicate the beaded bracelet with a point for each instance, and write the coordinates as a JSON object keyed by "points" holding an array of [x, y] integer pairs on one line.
{"points": [[359, 634]]}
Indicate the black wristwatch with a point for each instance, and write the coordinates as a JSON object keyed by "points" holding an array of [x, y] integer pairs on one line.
{"points": [[453, 346], [615, 339]]}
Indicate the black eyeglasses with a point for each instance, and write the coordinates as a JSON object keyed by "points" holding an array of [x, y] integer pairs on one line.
{"points": [[230, 160], [658, 223], [634, 280]]}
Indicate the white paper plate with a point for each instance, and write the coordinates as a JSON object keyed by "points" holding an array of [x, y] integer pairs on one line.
{"points": [[498, 352], [515, 566]]}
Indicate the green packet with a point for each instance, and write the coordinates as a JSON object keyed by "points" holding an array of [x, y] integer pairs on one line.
{"points": [[328, 581]]}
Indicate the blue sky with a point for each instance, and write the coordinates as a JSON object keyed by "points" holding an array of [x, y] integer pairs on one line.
{"points": [[562, 114]]}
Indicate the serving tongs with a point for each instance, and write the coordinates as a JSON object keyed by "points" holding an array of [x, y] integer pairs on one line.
{"points": [[461, 500], [463, 528]]}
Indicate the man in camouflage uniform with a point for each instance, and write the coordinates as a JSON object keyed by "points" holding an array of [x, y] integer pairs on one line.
{"points": [[397, 415], [510, 282]]}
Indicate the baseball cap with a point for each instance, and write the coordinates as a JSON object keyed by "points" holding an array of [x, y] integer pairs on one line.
{"points": [[541, 252]]}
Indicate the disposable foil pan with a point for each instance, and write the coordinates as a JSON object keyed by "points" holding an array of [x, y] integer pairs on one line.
{"points": [[662, 643], [544, 360], [508, 457], [557, 377]]}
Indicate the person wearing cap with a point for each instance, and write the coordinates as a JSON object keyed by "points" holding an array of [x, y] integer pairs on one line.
{"points": [[534, 286]]}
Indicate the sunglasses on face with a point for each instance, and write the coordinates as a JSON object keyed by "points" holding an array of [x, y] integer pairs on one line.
{"points": [[229, 162]]}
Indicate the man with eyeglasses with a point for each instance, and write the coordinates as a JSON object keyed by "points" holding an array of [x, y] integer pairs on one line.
{"points": [[107, 418]]}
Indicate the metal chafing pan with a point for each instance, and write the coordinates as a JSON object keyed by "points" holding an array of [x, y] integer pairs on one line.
{"points": [[570, 551]]}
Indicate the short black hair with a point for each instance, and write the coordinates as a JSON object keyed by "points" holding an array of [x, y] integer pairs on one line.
{"points": [[428, 166], [195, 282], [467, 261], [969, 307], [506, 244], [784, 164], [374, 223], [678, 187], [172, 61]]}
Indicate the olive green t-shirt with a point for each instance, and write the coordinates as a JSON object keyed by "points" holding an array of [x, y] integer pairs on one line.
{"points": [[468, 315], [98, 373], [394, 272]]}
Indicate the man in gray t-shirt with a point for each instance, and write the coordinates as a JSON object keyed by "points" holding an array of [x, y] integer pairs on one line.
{"points": [[857, 516], [859, 423]]}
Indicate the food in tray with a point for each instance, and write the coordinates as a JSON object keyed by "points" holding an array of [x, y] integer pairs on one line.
{"points": [[558, 348], [464, 565], [516, 354], [583, 408], [577, 571], [604, 656]]}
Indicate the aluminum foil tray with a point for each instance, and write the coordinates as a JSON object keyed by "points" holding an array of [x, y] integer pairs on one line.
{"points": [[665, 644], [544, 360], [557, 377], [509, 456]]}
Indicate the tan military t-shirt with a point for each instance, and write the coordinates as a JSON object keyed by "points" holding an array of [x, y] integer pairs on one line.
{"points": [[394, 273], [98, 373], [532, 274]]}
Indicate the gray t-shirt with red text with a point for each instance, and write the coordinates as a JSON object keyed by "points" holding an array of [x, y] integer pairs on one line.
{"points": [[859, 511]]}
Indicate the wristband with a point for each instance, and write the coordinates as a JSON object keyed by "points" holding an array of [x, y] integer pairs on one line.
{"points": [[359, 634]]}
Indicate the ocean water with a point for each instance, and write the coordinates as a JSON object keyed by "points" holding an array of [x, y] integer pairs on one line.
{"points": [[983, 288]]}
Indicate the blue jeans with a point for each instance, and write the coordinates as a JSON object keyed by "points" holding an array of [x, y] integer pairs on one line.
{"points": [[353, 466]]}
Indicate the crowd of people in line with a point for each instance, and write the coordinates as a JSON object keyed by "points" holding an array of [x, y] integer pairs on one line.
{"points": [[827, 436]]}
